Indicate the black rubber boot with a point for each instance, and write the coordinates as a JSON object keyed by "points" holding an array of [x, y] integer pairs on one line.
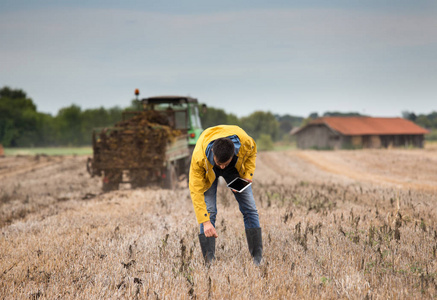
{"points": [[255, 243], [208, 248]]}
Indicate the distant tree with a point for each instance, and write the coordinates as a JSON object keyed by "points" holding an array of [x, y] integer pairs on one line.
{"points": [[98, 118], [114, 115], [433, 118], [259, 123], [313, 116], [286, 124], [264, 142], [7, 92], [342, 114], [134, 105], [47, 131], [295, 121], [22, 125], [428, 121], [424, 121], [69, 125], [432, 136], [18, 118], [233, 120], [409, 116], [213, 116]]}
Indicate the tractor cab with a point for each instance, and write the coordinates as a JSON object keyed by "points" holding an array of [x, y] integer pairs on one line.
{"points": [[182, 113]]}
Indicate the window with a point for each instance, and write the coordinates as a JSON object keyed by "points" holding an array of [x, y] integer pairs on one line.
{"points": [[195, 121]]}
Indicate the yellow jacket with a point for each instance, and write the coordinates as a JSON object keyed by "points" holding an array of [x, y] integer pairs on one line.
{"points": [[201, 173]]}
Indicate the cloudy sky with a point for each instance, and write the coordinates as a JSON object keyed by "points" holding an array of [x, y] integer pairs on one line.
{"points": [[288, 57]]}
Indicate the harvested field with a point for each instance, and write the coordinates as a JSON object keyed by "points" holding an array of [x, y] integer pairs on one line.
{"points": [[336, 224]]}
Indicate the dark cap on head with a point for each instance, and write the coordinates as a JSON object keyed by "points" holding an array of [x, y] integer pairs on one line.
{"points": [[223, 149]]}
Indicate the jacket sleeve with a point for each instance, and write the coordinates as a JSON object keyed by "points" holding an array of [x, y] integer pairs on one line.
{"points": [[197, 190], [250, 161]]}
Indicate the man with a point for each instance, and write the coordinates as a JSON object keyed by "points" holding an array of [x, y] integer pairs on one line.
{"points": [[226, 151]]}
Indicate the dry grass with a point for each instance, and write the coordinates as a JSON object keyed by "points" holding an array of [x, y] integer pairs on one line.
{"points": [[326, 235]]}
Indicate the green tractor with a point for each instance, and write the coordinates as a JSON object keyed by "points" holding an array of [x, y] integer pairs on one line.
{"points": [[152, 145], [186, 114]]}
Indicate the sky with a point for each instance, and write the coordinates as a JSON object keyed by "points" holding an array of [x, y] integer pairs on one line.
{"points": [[373, 57]]}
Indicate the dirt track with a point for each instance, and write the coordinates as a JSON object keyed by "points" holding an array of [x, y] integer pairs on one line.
{"points": [[413, 169], [34, 186]]}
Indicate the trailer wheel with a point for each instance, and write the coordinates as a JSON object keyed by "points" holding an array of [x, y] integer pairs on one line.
{"points": [[170, 179], [111, 179]]}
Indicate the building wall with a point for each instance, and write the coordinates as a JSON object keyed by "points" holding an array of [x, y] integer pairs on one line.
{"points": [[415, 140], [321, 137], [382, 141], [318, 137], [371, 141]]}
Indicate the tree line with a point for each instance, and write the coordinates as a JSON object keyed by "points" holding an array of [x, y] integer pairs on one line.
{"points": [[21, 125]]}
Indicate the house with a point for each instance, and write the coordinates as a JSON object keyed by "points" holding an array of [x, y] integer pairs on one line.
{"points": [[359, 132]]}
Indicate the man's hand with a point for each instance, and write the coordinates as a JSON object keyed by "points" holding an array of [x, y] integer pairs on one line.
{"points": [[209, 229]]}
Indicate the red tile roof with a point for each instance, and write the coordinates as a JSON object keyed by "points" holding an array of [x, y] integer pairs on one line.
{"points": [[370, 126]]}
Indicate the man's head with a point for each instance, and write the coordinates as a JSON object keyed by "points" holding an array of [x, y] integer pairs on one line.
{"points": [[223, 150]]}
